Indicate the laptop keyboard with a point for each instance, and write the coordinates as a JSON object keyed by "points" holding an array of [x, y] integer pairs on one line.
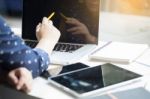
{"points": [[31, 44], [66, 47], [59, 47]]}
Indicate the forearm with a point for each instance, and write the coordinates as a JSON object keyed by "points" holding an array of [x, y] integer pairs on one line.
{"points": [[46, 45], [16, 54]]}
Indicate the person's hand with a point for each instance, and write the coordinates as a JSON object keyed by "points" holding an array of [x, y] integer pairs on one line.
{"points": [[47, 35], [46, 30], [80, 30], [21, 78]]}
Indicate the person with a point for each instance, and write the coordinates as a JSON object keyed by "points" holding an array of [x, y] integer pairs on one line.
{"points": [[22, 63], [81, 20]]}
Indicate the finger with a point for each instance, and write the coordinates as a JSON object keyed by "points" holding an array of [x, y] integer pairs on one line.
{"points": [[26, 88], [20, 83], [50, 22], [13, 77], [38, 27], [45, 20], [28, 84]]}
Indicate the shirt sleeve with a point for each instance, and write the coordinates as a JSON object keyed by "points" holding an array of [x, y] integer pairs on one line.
{"points": [[15, 53]]}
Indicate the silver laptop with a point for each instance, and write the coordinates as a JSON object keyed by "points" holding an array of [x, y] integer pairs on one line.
{"points": [[73, 43]]}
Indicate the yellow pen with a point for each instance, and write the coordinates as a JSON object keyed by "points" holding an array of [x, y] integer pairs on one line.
{"points": [[51, 15]]}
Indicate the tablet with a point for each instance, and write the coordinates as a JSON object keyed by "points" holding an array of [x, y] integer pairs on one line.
{"points": [[94, 80], [66, 69], [73, 67]]}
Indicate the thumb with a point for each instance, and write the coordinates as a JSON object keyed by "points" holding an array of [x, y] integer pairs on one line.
{"points": [[38, 27], [45, 20]]}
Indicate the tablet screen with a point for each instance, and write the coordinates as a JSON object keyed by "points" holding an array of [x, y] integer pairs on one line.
{"points": [[93, 78], [73, 67], [66, 69]]}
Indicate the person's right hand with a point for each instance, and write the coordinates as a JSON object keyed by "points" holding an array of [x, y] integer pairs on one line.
{"points": [[47, 35], [46, 30]]}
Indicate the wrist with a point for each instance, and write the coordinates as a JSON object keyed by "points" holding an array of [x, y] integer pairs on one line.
{"points": [[46, 44]]}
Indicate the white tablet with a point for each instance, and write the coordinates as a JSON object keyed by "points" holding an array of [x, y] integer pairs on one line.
{"points": [[94, 80]]}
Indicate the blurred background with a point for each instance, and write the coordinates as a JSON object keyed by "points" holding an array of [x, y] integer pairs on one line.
{"points": [[11, 7], [120, 20], [11, 10], [136, 7], [125, 20]]}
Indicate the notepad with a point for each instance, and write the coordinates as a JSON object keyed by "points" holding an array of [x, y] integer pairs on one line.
{"points": [[119, 52]]}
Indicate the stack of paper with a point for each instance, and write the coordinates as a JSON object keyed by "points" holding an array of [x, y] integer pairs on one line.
{"points": [[119, 52]]}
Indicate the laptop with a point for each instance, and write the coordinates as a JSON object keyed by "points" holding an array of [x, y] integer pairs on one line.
{"points": [[72, 44]]}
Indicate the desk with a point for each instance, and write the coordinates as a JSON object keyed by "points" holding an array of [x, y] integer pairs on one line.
{"points": [[42, 89]]}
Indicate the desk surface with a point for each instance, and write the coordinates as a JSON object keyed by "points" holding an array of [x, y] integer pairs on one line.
{"points": [[42, 89]]}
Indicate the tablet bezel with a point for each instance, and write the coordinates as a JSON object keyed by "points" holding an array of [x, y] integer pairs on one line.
{"points": [[97, 91]]}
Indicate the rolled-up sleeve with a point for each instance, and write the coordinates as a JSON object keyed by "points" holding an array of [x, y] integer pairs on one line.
{"points": [[15, 53]]}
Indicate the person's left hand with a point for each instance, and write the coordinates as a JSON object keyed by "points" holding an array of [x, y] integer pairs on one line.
{"points": [[21, 78]]}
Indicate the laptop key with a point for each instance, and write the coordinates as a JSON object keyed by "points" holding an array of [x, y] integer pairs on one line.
{"points": [[31, 44], [66, 47]]}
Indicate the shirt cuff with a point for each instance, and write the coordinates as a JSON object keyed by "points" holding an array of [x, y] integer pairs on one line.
{"points": [[45, 60]]}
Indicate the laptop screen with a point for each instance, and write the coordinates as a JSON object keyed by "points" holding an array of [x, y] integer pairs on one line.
{"points": [[77, 20]]}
